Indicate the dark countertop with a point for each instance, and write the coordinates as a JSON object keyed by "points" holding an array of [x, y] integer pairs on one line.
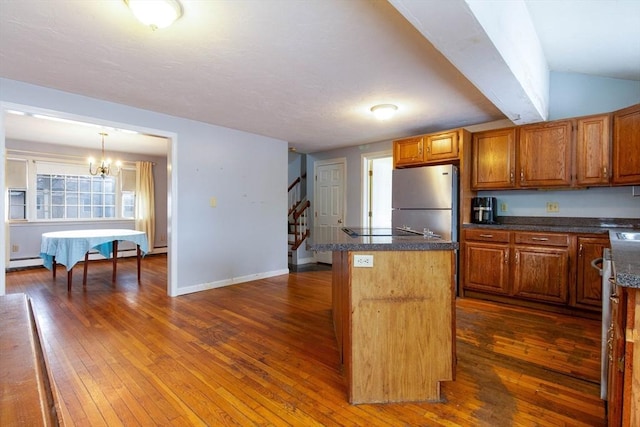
{"points": [[334, 239], [626, 259], [626, 255]]}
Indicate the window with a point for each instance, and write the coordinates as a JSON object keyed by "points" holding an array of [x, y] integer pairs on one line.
{"points": [[16, 183], [75, 197], [17, 204]]}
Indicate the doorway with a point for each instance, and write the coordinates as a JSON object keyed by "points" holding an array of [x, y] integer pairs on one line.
{"points": [[330, 196], [376, 195], [63, 117]]}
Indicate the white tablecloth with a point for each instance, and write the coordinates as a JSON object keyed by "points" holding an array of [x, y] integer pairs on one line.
{"points": [[69, 247]]}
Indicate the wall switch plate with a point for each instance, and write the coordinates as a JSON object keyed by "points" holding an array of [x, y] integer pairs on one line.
{"points": [[360, 261], [503, 207], [213, 202], [553, 207]]}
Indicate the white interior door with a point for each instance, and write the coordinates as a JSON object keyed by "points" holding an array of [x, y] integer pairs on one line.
{"points": [[329, 198]]}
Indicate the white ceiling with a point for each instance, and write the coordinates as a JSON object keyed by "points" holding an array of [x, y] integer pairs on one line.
{"points": [[306, 72]]}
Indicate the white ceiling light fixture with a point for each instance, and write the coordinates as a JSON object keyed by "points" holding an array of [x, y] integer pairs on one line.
{"points": [[384, 111], [155, 13]]}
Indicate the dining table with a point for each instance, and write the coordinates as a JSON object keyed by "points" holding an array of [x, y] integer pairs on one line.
{"points": [[71, 246]]}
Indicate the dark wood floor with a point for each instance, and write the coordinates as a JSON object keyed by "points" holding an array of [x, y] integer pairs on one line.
{"points": [[264, 353]]}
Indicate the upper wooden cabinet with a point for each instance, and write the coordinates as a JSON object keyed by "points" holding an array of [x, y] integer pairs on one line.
{"points": [[592, 158], [544, 155], [493, 159], [442, 146], [408, 151], [626, 146], [425, 149], [565, 153]]}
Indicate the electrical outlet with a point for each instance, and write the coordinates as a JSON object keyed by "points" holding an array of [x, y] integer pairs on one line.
{"points": [[213, 202], [503, 207], [363, 261], [15, 248], [553, 207]]}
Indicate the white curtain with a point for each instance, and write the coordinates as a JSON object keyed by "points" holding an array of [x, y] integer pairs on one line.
{"points": [[144, 205]]}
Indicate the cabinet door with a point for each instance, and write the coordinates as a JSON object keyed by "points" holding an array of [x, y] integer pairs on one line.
{"points": [[409, 151], [592, 151], [493, 159], [616, 352], [544, 155], [486, 267], [588, 292], [541, 273], [626, 146], [443, 146]]}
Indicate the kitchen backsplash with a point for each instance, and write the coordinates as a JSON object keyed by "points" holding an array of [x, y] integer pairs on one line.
{"points": [[605, 202]]}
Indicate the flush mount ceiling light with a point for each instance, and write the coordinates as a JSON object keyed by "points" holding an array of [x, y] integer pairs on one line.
{"points": [[384, 111], [155, 13]]}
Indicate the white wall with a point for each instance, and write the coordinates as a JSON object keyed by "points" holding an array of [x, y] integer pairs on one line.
{"points": [[245, 236]]}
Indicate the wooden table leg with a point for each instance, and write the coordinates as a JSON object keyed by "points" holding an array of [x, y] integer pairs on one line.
{"points": [[69, 277], [138, 255], [54, 267], [115, 260], [86, 264]]}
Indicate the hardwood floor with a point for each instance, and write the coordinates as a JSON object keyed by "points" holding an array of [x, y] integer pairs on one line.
{"points": [[264, 353]]}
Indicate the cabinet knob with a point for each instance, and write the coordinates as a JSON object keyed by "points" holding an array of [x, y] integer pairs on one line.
{"points": [[511, 176], [521, 174], [506, 257], [517, 257]]}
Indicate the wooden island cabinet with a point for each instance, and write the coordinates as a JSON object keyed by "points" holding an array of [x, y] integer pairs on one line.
{"points": [[395, 324], [394, 316]]}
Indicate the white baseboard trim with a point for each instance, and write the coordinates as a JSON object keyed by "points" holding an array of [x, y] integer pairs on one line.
{"points": [[228, 282]]}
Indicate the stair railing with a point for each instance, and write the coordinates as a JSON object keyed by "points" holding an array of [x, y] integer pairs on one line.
{"points": [[294, 194], [300, 224]]}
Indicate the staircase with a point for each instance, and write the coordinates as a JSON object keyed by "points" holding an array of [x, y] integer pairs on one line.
{"points": [[298, 218]]}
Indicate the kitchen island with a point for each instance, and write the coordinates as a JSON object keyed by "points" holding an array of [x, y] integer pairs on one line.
{"points": [[393, 301]]}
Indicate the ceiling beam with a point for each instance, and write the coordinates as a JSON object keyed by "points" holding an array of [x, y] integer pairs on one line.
{"points": [[494, 45]]}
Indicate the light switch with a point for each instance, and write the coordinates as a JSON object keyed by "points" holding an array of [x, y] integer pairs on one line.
{"points": [[213, 202]]}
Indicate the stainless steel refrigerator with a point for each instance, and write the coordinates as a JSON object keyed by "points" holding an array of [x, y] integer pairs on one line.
{"points": [[426, 199]]}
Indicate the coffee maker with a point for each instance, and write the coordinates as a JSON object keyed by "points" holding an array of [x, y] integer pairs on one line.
{"points": [[483, 210]]}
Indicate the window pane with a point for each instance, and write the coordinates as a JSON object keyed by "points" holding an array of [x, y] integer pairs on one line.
{"points": [[72, 211], [57, 183], [110, 199], [97, 199], [57, 198], [97, 185], [57, 212], [84, 184], [44, 182], [110, 212], [72, 183], [71, 199], [97, 212]]}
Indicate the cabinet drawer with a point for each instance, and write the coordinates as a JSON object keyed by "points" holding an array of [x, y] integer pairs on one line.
{"points": [[547, 239], [487, 235]]}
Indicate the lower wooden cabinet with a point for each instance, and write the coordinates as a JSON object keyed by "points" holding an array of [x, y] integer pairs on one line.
{"points": [[547, 268], [623, 388], [588, 291]]}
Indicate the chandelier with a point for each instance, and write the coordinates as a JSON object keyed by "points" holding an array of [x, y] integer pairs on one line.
{"points": [[105, 164]]}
